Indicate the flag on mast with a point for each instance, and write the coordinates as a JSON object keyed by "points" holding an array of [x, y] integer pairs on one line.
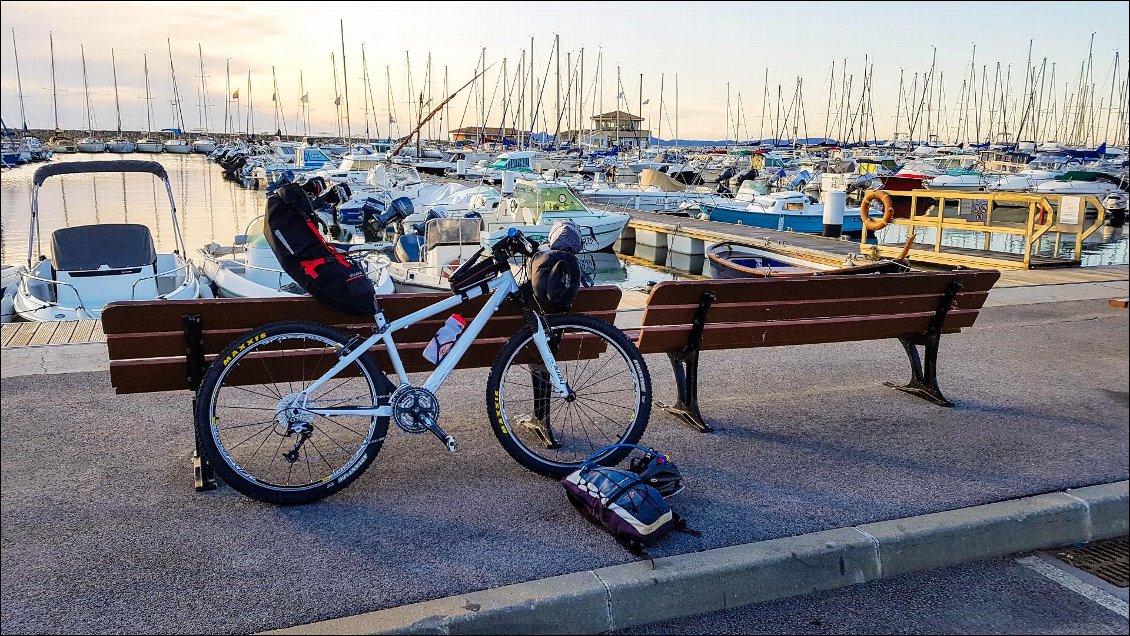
{"points": [[235, 94]]}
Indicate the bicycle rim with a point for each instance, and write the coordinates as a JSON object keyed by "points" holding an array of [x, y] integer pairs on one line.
{"points": [[262, 447], [609, 394]]}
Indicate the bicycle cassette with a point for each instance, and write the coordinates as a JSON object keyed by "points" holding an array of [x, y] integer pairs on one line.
{"points": [[414, 409]]}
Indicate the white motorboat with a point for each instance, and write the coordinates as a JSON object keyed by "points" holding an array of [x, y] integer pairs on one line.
{"points": [[249, 268], [535, 206], [92, 265], [655, 192], [425, 263]]}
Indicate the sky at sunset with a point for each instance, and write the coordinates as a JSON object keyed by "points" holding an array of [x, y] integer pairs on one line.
{"points": [[707, 45]]}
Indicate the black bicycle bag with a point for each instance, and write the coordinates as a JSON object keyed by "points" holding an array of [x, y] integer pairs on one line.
{"points": [[555, 276], [325, 273]]}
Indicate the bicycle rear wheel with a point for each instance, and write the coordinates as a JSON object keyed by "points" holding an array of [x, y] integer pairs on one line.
{"points": [[269, 451], [552, 435]]}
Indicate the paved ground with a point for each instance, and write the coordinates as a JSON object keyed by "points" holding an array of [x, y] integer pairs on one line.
{"points": [[103, 533]]}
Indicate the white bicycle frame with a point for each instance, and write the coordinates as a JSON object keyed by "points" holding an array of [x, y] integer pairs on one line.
{"points": [[501, 287]]}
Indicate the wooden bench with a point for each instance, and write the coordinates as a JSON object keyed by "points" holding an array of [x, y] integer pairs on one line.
{"points": [[167, 345], [684, 318]]}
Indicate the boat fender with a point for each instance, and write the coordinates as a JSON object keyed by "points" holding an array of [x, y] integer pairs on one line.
{"points": [[874, 225], [7, 309], [449, 269]]}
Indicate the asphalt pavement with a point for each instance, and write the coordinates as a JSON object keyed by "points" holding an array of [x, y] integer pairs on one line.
{"points": [[102, 532]]}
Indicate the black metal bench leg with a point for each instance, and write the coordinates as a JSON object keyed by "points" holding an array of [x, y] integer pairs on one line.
{"points": [[685, 366], [538, 423], [203, 476], [924, 378]]}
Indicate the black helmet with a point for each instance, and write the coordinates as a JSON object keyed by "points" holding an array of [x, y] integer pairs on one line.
{"points": [[401, 206], [657, 471]]}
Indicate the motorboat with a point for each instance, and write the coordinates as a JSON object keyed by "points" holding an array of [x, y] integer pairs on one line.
{"points": [[1083, 182], [249, 269], [741, 260], [92, 265], [61, 144], [449, 163], [536, 205], [425, 260], [783, 211], [655, 192]]}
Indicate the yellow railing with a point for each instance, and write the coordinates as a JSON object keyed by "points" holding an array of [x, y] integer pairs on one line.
{"points": [[1026, 215]]}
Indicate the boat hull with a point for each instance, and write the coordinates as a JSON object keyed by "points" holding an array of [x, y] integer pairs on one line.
{"points": [[808, 223]]}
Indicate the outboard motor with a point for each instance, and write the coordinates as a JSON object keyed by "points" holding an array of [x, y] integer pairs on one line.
{"points": [[1116, 204], [748, 175]]}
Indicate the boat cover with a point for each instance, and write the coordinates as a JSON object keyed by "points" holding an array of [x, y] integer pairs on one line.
{"points": [[116, 245], [81, 167], [661, 180]]}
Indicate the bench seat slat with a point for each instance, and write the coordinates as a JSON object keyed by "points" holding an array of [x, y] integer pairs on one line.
{"points": [[168, 374], [806, 309], [247, 313], [664, 339], [820, 287], [171, 343]]}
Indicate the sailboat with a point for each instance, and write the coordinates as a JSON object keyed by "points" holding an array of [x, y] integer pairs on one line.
{"points": [[119, 143], [35, 147], [177, 144], [58, 142], [203, 144], [148, 143], [89, 143]]}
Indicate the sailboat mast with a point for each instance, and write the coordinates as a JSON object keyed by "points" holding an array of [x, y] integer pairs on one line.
{"points": [[676, 110], [86, 91], [19, 84], [203, 89], [54, 92], [117, 103], [148, 98], [345, 80], [337, 96]]}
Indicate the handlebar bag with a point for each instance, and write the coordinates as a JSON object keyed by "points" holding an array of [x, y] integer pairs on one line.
{"points": [[555, 276], [327, 275]]}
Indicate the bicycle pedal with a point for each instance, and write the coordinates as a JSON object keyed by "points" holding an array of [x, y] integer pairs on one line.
{"points": [[450, 441]]}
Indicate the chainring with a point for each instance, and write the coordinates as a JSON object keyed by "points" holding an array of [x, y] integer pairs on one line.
{"points": [[413, 408]]}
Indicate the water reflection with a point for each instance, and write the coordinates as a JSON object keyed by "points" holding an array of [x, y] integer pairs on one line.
{"points": [[1107, 246], [205, 213]]}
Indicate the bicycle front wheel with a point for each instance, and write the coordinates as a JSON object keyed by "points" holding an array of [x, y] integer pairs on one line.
{"points": [[611, 402], [256, 434]]}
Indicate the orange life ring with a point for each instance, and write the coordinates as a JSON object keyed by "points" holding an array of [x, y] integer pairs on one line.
{"points": [[874, 225], [447, 270]]}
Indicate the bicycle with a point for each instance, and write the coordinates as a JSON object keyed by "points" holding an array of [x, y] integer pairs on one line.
{"points": [[562, 387]]}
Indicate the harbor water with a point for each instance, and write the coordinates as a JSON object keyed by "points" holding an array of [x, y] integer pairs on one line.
{"points": [[209, 209]]}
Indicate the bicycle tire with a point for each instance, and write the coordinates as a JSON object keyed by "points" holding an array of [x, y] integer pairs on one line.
{"points": [[520, 434], [217, 413]]}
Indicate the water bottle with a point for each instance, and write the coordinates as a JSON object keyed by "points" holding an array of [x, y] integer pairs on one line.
{"points": [[445, 338]]}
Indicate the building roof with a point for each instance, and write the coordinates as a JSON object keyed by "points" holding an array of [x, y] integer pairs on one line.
{"points": [[616, 115]]}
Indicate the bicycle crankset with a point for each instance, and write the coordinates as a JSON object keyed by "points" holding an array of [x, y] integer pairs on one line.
{"points": [[415, 410]]}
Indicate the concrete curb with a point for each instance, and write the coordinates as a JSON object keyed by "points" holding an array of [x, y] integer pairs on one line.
{"points": [[633, 594]]}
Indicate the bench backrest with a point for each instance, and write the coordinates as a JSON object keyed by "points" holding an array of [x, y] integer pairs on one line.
{"points": [[770, 312], [147, 346]]}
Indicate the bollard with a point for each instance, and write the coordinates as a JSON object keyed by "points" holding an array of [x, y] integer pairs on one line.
{"points": [[834, 202]]}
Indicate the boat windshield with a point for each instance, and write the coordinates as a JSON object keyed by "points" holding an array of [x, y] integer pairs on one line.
{"points": [[548, 199]]}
